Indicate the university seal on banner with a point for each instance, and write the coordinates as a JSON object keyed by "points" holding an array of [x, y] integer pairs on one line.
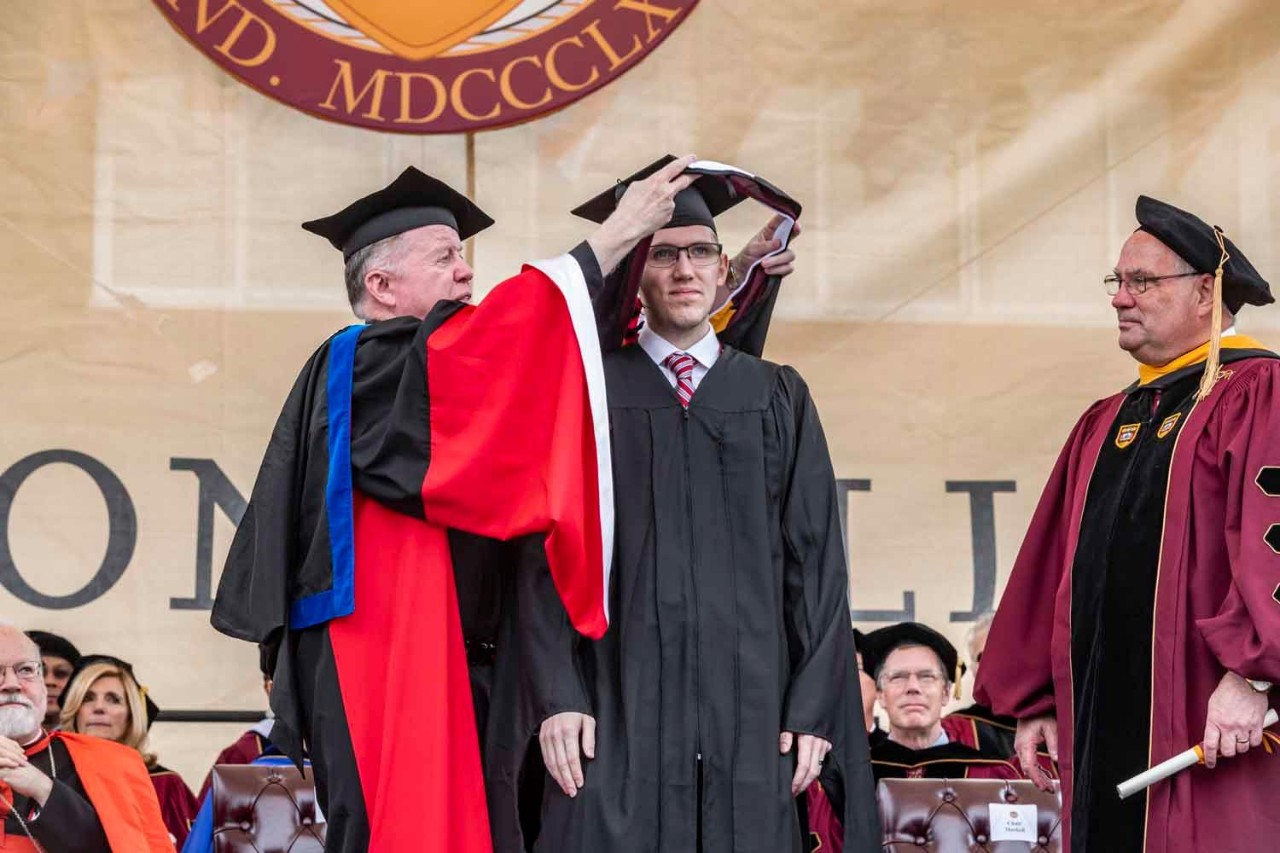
{"points": [[426, 66]]}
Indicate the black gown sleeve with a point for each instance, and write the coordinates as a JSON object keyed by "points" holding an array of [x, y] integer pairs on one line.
{"points": [[815, 580], [550, 667], [68, 823], [823, 694]]}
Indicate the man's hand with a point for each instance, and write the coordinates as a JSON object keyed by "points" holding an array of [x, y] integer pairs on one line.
{"points": [[558, 738], [811, 751], [764, 242], [1026, 740], [21, 775], [1235, 719], [645, 207]]}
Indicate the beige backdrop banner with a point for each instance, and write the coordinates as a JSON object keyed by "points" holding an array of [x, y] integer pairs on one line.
{"points": [[968, 172]]}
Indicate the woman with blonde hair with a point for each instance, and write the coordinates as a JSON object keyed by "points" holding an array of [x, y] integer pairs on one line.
{"points": [[103, 698]]}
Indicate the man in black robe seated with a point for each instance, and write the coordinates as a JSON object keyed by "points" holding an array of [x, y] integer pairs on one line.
{"points": [[67, 793], [59, 657], [726, 674], [915, 668]]}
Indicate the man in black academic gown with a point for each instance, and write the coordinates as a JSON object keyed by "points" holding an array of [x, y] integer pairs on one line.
{"points": [[915, 669], [726, 674], [59, 657]]}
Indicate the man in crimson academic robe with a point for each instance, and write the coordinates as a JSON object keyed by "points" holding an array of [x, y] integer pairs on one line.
{"points": [[1143, 612], [65, 792], [726, 676], [915, 669], [404, 441]]}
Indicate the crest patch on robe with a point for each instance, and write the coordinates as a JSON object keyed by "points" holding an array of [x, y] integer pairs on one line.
{"points": [[1168, 425], [1126, 435]]}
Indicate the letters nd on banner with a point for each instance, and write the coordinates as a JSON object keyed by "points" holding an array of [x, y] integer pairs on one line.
{"points": [[426, 67]]}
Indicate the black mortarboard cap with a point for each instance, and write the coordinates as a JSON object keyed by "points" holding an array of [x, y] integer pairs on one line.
{"points": [[410, 201], [1193, 240], [54, 646], [704, 200], [153, 710], [876, 646]]}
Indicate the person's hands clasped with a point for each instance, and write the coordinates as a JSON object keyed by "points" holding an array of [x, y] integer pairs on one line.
{"points": [[1031, 732], [21, 775], [1234, 721], [564, 738], [811, 751]]}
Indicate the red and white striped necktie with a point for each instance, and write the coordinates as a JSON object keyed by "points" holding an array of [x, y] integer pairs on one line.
{"points": [[681, 364]]}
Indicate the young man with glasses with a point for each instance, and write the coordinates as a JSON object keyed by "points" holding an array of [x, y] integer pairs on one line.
{"points": [[727, 672], [1143, 612], [65, 792]]}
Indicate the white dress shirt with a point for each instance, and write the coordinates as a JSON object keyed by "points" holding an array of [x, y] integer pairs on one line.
{"points": [[704, 352]]}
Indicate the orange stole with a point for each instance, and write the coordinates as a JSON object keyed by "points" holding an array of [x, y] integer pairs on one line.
{"points": [[117, 784]]}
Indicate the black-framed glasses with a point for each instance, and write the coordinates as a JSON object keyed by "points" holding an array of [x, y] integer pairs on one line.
{"points": [[1138, 284], [662, 256]]}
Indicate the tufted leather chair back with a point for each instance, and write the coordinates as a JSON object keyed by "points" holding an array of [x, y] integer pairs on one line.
{"points": [[952, 816], [265, 809]]}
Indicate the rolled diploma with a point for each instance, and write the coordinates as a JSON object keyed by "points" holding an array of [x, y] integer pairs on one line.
{"points": [[1179, 762]]}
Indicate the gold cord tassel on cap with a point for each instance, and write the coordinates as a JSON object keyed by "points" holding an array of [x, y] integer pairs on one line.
{"points": [[1212, 362]]}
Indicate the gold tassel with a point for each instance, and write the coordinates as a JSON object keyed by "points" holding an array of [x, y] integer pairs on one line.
{"points": [[1212, 363], [955, 689]]}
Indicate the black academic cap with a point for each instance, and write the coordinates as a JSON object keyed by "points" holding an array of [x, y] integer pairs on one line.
{"points": [[153, 710], [1193, 240], [877, 645], [54, 646], [704, 200], [410, 201]]}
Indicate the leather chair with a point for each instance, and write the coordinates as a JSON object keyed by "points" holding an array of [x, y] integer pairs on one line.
{"points": [[265, 809], [952, 816]]}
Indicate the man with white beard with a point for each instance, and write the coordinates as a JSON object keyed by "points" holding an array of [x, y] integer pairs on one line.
{"points": [[61, 791]]}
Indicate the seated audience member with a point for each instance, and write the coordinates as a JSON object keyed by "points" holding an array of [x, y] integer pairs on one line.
{"points": [[867, 684], [977, 725], [915, 668], [104, 699], [59, 658], [63, 791], [256, 741]]}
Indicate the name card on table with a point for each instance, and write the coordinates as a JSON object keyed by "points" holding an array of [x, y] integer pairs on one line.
{"points": [[1013, 822]]}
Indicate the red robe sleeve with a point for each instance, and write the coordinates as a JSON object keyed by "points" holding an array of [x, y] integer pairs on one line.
{"points": [[1016, 677], [519, 429], [1244, 634]]}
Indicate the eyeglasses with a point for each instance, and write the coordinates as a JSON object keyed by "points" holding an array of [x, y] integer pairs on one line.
{"points": [[1138, 284], [900, 678], [25, 671], [662, 256]]}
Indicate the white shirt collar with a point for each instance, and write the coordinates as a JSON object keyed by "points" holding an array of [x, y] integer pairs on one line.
{"points": [[705, 351]]}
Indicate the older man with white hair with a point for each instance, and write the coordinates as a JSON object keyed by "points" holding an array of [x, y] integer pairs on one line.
{"points": [[65, 792]]}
